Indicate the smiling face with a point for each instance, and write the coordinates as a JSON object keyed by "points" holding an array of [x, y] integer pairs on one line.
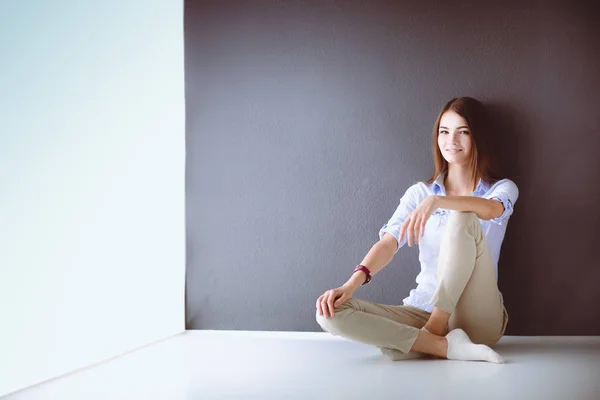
{"points": [[454, 138]]}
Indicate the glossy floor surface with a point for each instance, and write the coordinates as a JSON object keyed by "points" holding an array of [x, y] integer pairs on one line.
{"points": [[302, 365]]}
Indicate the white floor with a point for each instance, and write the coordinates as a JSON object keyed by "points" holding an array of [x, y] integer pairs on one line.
{"points": [[287, 365]]}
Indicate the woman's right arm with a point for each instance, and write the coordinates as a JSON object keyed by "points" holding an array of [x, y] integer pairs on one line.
{"points": [[376, 259]]}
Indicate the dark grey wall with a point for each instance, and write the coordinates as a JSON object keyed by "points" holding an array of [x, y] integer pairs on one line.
{"points": [[306, 122]]}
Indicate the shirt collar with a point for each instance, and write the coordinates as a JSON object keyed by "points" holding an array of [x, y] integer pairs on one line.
{"points": [[481, 188], [438, 185]]}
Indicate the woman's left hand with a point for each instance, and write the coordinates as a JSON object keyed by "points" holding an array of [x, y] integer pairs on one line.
{"points": [[414, 226]]}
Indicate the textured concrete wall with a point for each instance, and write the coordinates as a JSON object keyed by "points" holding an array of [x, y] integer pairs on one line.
{"points": [[307, 122]]}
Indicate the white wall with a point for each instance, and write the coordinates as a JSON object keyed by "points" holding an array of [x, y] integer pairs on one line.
{"points": [[92, 154]]}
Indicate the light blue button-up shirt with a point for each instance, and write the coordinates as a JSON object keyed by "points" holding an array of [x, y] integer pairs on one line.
{"points": [[505, 191]]}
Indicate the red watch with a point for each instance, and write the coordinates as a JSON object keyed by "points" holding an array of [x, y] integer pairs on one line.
{"points": [[364, 269]]}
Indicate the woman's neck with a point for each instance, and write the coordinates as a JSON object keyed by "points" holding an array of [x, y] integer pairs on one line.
{"points": [[458, 181]]}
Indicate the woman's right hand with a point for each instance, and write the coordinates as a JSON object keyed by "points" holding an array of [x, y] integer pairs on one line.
{"points": [[328, 301]]}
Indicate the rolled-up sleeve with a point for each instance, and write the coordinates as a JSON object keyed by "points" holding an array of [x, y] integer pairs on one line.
{"points": [[507, 193], [408, 203]]}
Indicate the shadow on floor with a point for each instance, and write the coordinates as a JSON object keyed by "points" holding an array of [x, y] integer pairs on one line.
{"points": [[549, 345]]}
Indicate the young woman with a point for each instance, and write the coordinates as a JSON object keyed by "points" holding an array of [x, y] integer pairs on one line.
{"points": [[458, 219]]}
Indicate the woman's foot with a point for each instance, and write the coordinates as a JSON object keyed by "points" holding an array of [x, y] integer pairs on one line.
{"points": [[460, 347], [438, 322]]}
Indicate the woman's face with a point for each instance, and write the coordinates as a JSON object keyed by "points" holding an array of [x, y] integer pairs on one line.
{"points": [[454, 138]]}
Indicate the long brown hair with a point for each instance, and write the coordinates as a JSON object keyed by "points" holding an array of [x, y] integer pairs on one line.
{"points": [[482, 163]]}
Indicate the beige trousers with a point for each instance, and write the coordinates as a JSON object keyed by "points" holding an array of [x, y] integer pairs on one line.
{"points": [[467, 289]]}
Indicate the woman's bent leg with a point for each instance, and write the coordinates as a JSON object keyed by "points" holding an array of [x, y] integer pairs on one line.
{"points": [[467, 286], [384, 326]]}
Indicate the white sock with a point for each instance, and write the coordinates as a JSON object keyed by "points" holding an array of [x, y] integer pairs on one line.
{"points": [[460, 347]]}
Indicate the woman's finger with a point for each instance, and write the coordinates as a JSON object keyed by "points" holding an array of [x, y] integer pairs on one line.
{"points": [[416, 229], [409, 231], [423, 223], [413, 225], [320, 305], [330, 301], [404, 228], [340, 301], [324, 305]]}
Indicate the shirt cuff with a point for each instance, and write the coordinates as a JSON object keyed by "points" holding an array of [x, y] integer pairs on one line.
{"points": [[508, 209], [392, 232]]}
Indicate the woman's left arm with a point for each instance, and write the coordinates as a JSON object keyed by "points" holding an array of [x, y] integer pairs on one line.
{"points": [[485, 209], [414, 224], [497, 205]]}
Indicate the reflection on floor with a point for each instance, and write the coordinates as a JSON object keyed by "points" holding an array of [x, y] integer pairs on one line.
{"points": [[306, 365]]}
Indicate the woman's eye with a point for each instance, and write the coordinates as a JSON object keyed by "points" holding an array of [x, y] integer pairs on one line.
{"points": [[444, 132], [465, 132]]}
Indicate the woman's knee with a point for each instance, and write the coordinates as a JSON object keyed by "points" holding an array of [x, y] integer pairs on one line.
{"points": [[461, 217], [460, 221], [334, 324]]}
